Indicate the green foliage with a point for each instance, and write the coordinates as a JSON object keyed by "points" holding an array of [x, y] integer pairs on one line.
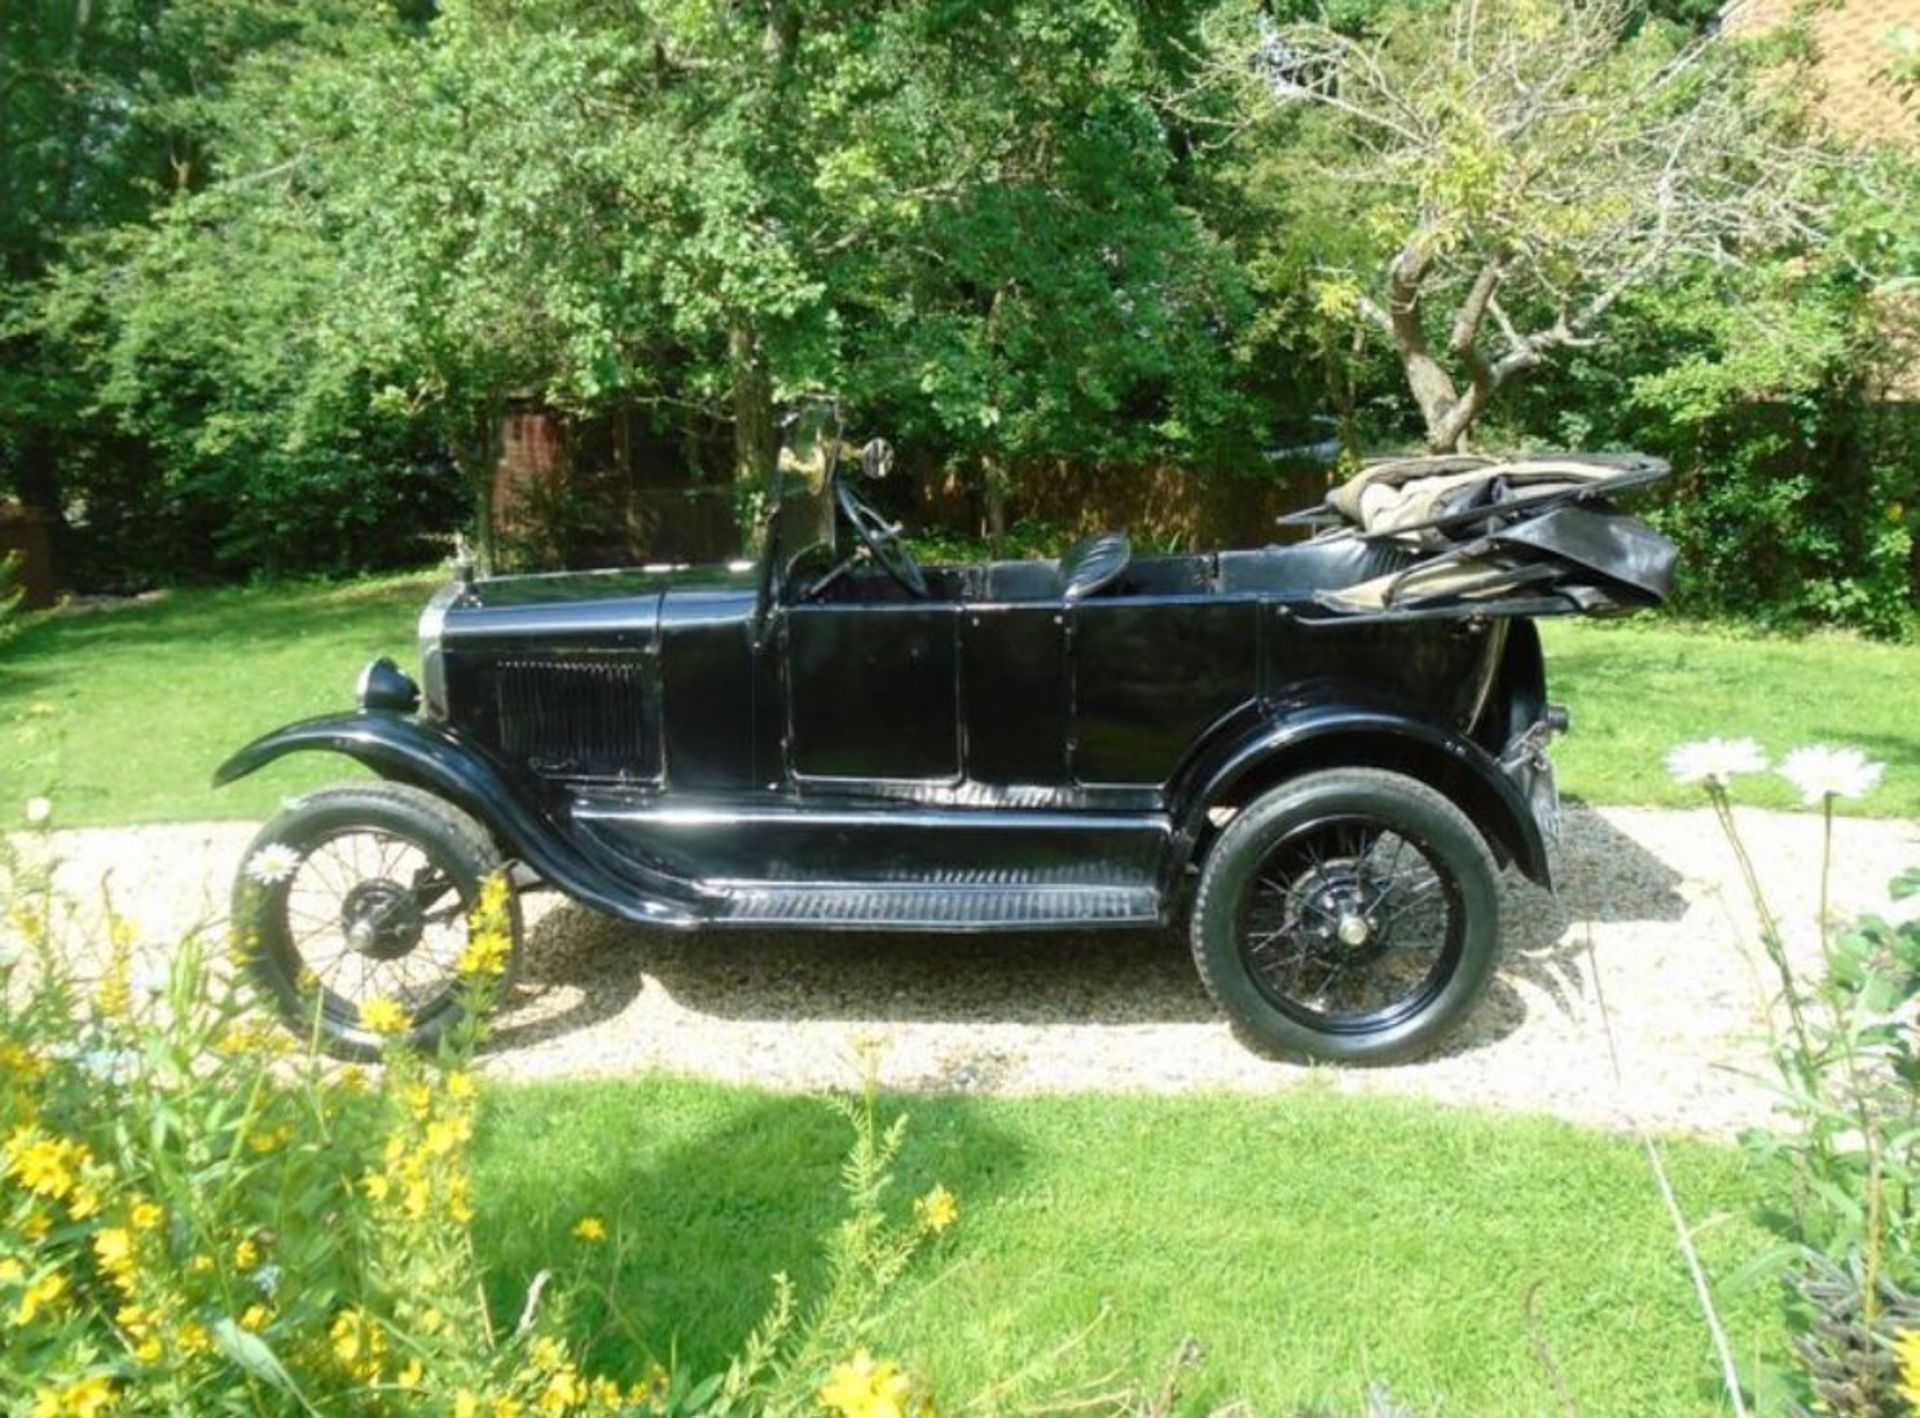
{"points": [[1844, 1159], [199, 1216], [270, 272], [1775, 390]]}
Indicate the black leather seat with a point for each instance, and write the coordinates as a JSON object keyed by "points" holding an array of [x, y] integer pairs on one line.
{"points": [[1306, 567]]}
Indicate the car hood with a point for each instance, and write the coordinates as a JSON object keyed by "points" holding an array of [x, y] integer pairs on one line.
{"points": [[619, 583], [608, 610]]}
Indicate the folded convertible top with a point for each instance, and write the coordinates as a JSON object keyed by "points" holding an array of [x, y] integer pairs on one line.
{"points": [[1488, 530]]}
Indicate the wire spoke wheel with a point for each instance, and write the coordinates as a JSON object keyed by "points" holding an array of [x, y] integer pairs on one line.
{"points": [[1348, 915], [373, 916], [1351, 925], [363, 893]]}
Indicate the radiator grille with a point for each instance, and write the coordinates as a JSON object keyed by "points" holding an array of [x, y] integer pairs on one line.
{"points": [[576, 717]]}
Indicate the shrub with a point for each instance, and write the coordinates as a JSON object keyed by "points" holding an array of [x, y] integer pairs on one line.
{"points": [[1845, 1153], [197, 1215]]}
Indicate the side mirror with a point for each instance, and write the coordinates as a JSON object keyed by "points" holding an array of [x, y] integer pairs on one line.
{"points": [[876, 459]]}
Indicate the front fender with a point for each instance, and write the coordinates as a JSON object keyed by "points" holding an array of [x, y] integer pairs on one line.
{"points": [[1314, 737], [429, 756]]}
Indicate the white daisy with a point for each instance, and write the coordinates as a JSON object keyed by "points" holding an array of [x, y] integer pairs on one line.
{"points": [[39, 811], [272, 864], [1821, 773], [1714, 762]]}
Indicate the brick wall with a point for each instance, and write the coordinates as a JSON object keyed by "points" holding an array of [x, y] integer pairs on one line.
{"points": [[1852, 36]]}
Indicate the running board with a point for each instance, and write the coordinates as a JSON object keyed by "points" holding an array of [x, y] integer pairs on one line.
{"points": [[940, 908]]}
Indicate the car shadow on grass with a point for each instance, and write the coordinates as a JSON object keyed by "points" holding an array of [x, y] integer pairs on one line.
{"points": [[738, 1187], [580, 968]]}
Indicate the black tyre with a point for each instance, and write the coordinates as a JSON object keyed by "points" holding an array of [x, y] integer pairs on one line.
{"points": [[359, 892], [1349, 916]]}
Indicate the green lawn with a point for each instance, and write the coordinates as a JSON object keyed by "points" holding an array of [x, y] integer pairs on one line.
{"points": [[1638, 687], [122, 715], [1308, 1242]]}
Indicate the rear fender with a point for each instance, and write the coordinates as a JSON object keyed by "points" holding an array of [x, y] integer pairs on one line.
{"points": [[1327, 736], [438, 760]]}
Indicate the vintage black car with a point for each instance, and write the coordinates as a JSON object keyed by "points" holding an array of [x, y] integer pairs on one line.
{"points": [[1313, 756]]}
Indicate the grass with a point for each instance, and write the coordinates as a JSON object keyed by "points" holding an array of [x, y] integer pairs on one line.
{"points": [[1638, 687], [1309, 1242], [122, 716]]}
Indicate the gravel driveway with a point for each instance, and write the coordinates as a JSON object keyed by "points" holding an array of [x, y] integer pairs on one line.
{"points": [[1653, 891]]}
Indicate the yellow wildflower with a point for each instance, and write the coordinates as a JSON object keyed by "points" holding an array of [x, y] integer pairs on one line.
{"points": [[113, 1248], [85, 1399], [411, 1375], [84, 1202], [864, 1387], [376, 1185], [506, 1406], [346, 1336], [145, 1215], [445, 1134], [548, 1353], [19, 1059], [418, 1098], [590, 1229], [460, 1086], [466, 1404], [937, 1210], [37, 1224], [192, 1338], [358, 1343], [40, 1295], [46, 1166], [563, 1390], [256, 1318], [486, 954], [246, 1254], [385, 1016], [460, 1199], [1907, 1350], [150, 1350], [653, 1389], [11, 1271]]}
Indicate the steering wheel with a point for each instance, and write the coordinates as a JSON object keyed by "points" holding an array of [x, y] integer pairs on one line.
{"points": [[881, 538]]}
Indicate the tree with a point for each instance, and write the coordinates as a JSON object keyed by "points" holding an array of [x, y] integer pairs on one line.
{"points": [[1481, 185], [1070, 307]]}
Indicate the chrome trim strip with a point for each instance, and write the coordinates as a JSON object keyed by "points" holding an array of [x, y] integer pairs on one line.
{"points": [[433, 669]]}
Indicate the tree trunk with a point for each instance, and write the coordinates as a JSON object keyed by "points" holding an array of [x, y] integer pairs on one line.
{"points": [[993, 496], [1434, 391], [755, 446], [476, 453]]}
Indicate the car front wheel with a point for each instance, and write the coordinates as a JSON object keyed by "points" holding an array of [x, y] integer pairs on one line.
{"points": [[1349, 916], [365, 893]]}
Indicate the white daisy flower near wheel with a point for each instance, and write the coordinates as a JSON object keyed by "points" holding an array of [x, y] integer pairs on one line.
{"points": [[1821, 773], [1715, 762], [272, 864]]}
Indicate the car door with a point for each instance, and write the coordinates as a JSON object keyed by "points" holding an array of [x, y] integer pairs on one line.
{"points": [[1015, 692], [871, 690]]}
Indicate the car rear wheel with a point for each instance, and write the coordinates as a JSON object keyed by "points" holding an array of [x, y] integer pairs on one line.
{"points": [[1349, 916], [360, 893]]}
